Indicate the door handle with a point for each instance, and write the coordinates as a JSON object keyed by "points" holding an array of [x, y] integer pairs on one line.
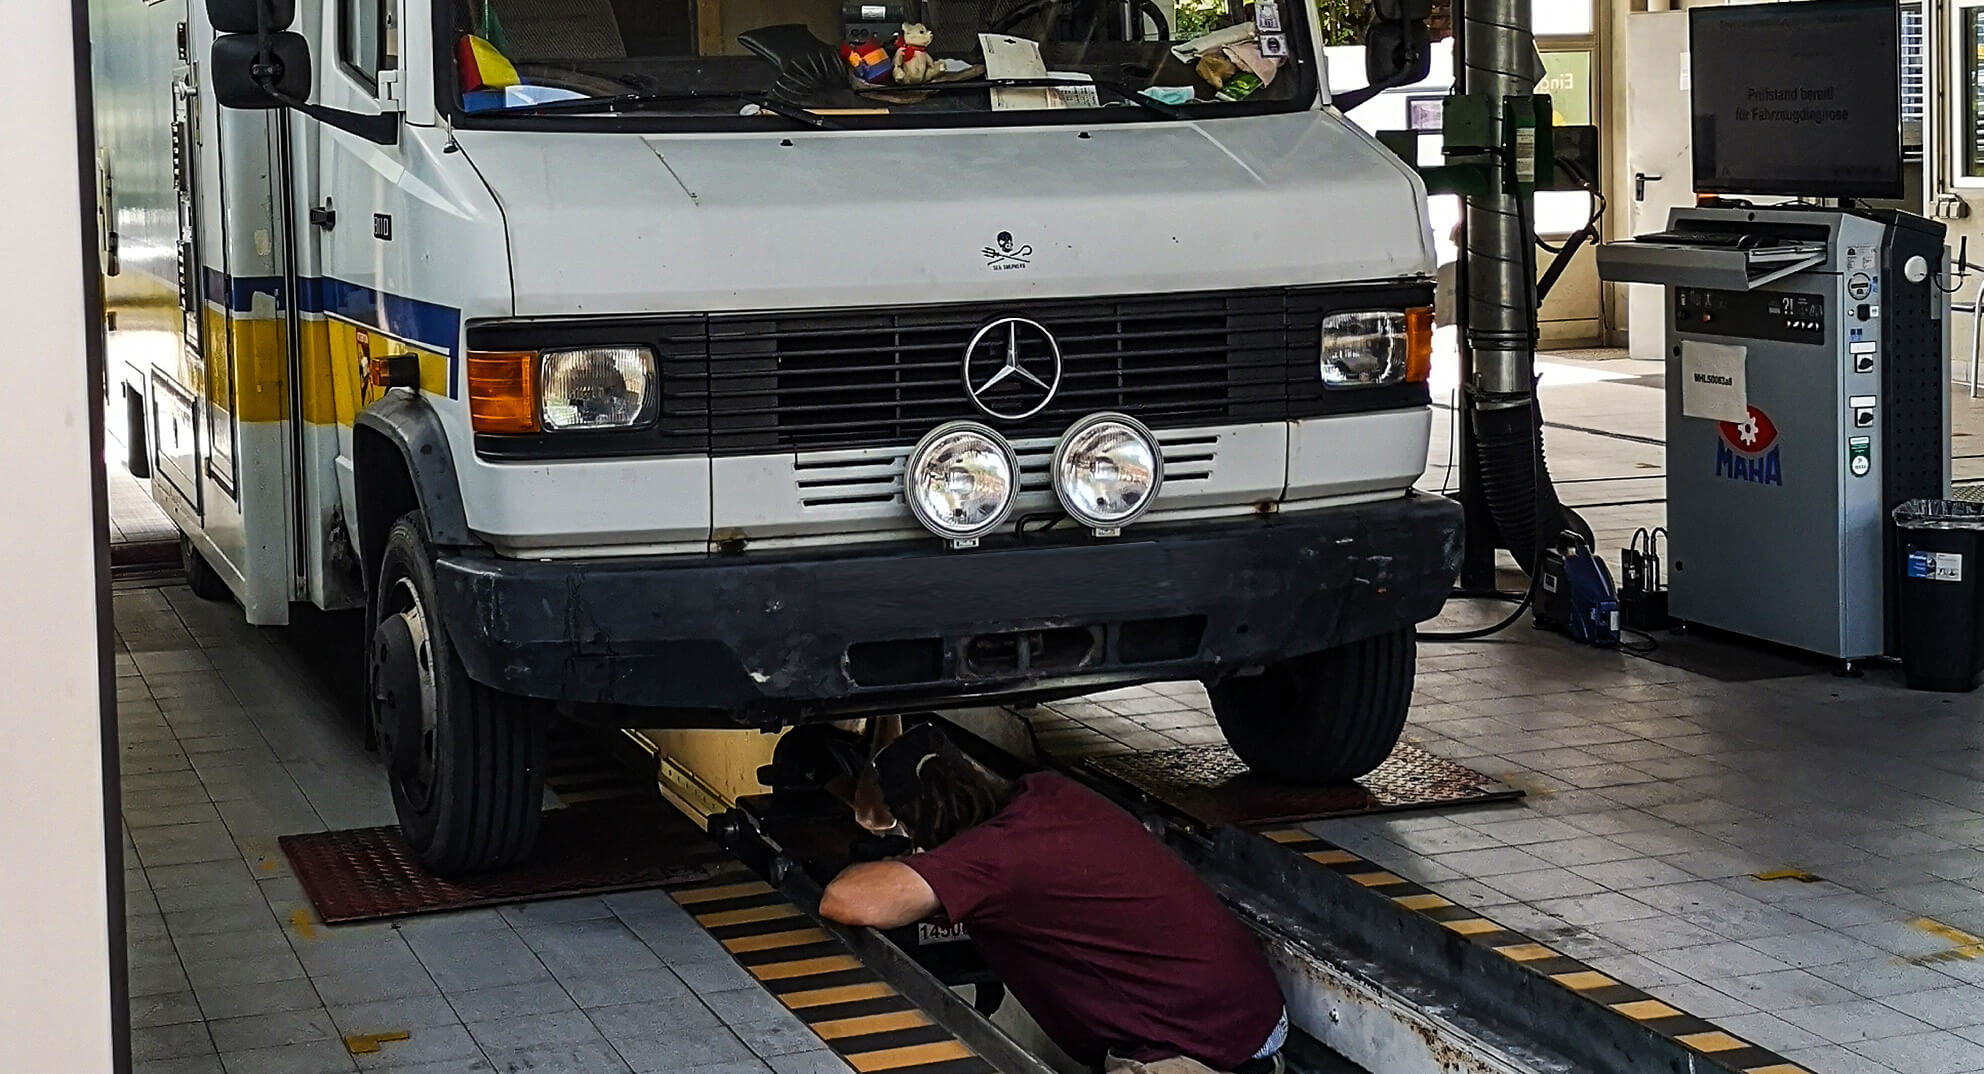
{"points": [[1640, 180], [324, 216]]}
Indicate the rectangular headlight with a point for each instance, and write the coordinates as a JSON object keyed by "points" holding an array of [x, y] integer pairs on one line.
{"points": [[1371, 348], [597, 388], [1365, 349]]}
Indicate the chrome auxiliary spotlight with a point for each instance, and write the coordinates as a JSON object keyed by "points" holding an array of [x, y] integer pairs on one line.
{"points": [[1107, 470], [960, 481]]}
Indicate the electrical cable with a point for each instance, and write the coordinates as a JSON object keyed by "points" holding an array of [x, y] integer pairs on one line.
{"points": [[1453, 437], [1647, 649], [1598, 208], [1476, 634]]}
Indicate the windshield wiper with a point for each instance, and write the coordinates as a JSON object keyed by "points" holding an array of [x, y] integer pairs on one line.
{"points": [[1150, 104], [627, 101]]}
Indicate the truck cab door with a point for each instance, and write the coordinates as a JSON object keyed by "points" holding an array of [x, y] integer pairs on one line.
{"points": [[354, 216]]}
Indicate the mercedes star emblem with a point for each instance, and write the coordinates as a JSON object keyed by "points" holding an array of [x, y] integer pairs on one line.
{"points": [[1012, 348]]}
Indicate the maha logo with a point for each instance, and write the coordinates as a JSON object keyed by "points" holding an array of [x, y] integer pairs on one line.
{"points": [[1747, 450]]}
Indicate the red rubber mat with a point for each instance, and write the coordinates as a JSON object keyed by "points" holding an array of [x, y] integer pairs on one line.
{"points": [[366, 873], [1210, 784]]}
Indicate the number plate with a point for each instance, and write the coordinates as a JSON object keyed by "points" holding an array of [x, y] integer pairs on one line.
{"points": [[926, 933]]}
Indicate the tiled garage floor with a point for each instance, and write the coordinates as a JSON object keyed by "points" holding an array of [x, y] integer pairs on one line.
{"points": [[228, 742], [1655, 795]]}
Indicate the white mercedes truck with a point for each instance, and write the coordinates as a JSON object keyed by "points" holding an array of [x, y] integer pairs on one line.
{"points": [[748, 363]]}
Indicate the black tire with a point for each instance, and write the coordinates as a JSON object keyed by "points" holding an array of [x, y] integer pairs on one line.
{"points": [[205, 582], [1325, 718], [466, 763]]}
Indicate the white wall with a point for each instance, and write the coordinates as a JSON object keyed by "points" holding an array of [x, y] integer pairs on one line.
{"points": [[56, 904]]}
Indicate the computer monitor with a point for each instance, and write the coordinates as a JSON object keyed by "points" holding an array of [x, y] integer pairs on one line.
{"points": [[1797, 98]]}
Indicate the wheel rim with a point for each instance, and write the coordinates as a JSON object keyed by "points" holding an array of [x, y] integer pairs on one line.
{"points": [[403, 663]]}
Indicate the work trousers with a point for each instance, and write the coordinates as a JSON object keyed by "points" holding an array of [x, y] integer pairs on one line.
{"points": [[1176, 1065]]}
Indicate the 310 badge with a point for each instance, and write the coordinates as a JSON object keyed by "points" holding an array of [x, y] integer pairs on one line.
{"points": [[1748, 450]]}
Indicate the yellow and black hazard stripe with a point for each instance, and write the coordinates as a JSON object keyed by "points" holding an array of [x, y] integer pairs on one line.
{"points": [[1716, 1046], [871, 1025]]}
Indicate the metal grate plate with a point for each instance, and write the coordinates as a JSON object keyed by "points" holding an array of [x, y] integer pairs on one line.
{"points": [[367, 873], [1211, 785]]}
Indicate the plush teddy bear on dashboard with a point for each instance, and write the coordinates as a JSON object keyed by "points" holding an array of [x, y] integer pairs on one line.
{"points": [[914, 64]]}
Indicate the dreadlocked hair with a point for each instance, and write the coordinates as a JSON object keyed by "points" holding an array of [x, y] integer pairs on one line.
{"points": [[954, 793]]}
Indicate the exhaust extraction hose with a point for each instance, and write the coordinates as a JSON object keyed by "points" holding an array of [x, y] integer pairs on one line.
{"points": [[1498, 60]]}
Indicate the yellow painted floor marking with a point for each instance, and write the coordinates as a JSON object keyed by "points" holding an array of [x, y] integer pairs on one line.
{"points": [[1288, 835], [305, 923], [1473, 926], [1778, 1068], [769, 940], [1964, 945], [1332, 857], [1377, 880], [820, 997], [1715, 1041], [1530, 788], [746, 916], [1788, 874], [915, 1055], [871, 1023], [1428, 901], [1645, 1010], [1527, 952], [805, 967], [725, 891], [367, 1043], [1583, 980]]}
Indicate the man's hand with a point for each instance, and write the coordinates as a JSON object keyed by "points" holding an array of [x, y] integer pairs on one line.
{"points": [[878, 895]]}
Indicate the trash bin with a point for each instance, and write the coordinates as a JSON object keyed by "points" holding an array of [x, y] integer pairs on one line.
{"points": [[1941, 575]]}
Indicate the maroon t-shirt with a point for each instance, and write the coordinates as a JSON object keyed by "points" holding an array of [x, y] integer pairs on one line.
{"points": [[1107, 938]]}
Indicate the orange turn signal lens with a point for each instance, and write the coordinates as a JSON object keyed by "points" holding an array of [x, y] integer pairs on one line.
{"points": [[502, 391], [1419, 344]]}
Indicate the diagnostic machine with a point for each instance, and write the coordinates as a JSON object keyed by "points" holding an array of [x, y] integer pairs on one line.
{"points": [[1806, 343]]}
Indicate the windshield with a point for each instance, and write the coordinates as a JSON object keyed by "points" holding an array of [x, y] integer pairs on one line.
{"points": [[888, 62]]}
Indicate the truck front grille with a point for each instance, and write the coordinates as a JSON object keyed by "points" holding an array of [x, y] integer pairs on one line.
{"points": [[814, 381], [881, 377]]}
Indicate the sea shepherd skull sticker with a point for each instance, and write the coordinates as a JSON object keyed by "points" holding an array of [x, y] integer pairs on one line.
{"points": [[1006, 255]]}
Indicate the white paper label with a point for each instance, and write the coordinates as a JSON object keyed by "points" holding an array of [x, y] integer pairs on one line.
{"points": [[1019, 58], [1267, 17], [927, 934], [1081, 94], [1714, 382]]}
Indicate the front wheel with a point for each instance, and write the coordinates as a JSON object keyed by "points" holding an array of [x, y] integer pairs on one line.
{"points": [[1325, 718], [466, 762], [201, 577]]}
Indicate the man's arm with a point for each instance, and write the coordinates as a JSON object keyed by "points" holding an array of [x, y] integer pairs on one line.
{"points": [[879, 895]]}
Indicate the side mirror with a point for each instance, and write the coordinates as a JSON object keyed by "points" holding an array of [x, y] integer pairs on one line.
{"points": [[258, 70], [1397, 53], [243, 77], [241, 16]]}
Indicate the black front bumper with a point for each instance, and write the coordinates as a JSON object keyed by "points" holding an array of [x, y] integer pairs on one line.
{"points": [[729, 639]]}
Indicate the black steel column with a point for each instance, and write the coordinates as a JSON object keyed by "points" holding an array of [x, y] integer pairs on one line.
{"points": [[1478, 535]]}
